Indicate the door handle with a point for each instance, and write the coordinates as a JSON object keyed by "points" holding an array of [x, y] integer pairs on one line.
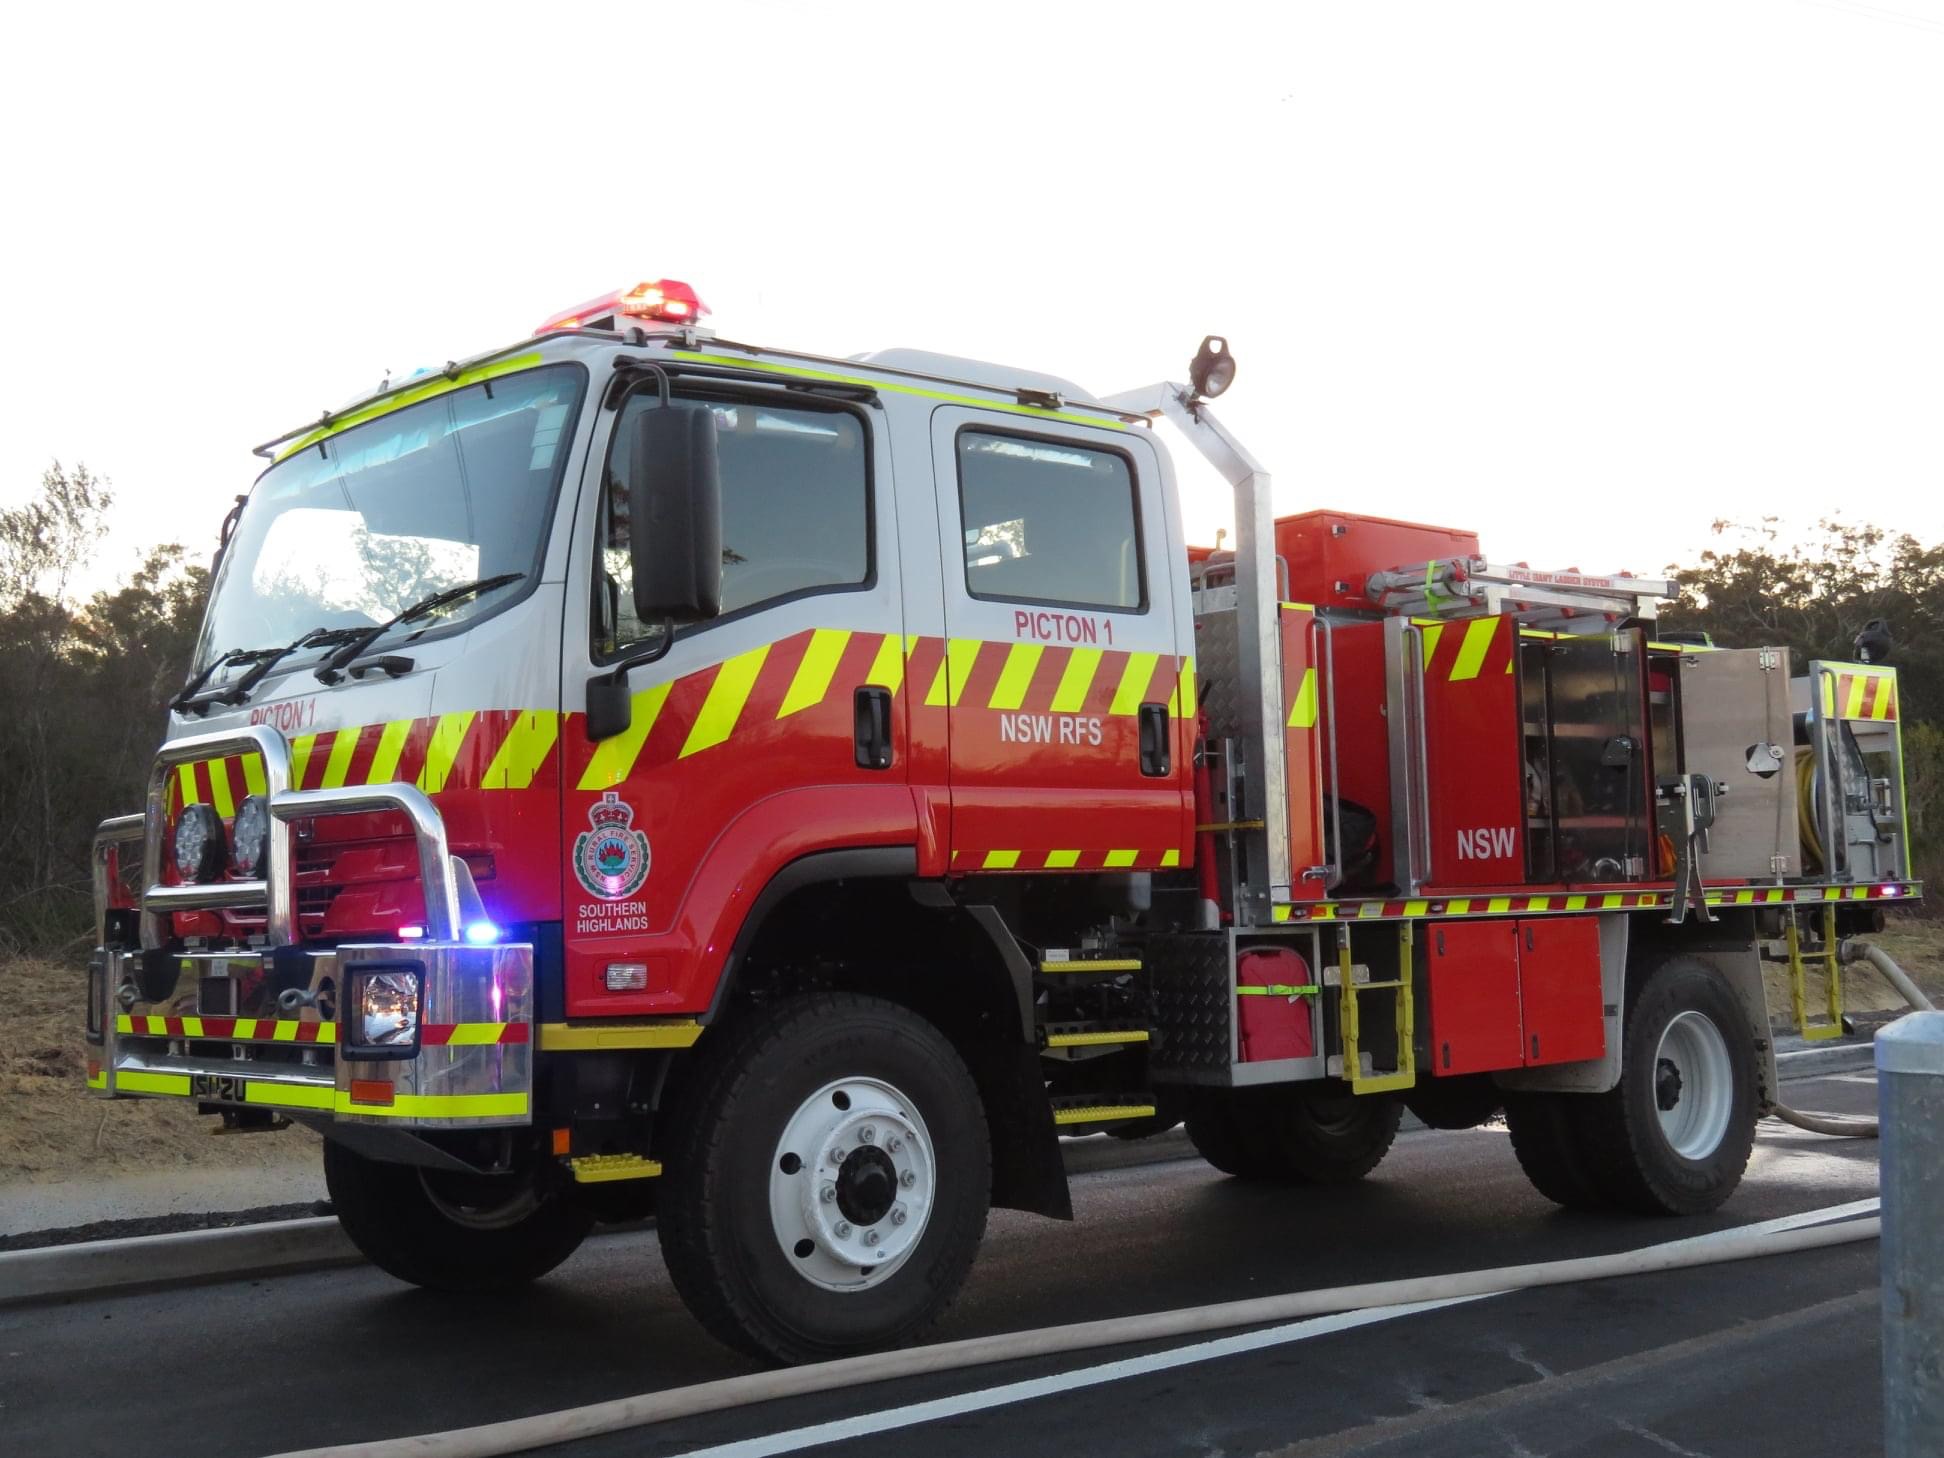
{"points": [[1156, 760], [871, 726]]}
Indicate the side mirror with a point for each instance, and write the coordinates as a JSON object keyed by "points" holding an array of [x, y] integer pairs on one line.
{"points": [[675, 515], [610, 706]]}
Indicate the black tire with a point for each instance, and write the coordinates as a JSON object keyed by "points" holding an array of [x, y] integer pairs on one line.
{"points": [[1628, 1152], [724, 1252], [452, 1232], [1551, 1149], [1293, 1132], [1455, 1103]]}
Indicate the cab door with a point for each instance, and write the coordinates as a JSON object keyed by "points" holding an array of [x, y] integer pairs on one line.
{"points": [[1061, 672]]}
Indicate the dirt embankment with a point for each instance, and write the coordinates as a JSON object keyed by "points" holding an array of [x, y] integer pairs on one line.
{"points": [[51, 1127]]}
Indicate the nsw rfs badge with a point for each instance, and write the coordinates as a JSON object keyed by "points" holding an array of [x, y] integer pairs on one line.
{"points": [[611, 857]]}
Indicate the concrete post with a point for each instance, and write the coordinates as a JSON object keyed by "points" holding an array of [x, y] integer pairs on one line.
{"points": [[1910, 1094]]}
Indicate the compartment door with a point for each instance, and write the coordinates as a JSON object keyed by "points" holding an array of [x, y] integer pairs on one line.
{"points": [[1473, 972], [1559, 989]]}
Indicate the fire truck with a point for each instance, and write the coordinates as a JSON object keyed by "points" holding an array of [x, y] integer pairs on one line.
{"points": [[638, 772]]}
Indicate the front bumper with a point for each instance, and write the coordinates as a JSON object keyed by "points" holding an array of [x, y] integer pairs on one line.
{"points": [[260, 1032]]}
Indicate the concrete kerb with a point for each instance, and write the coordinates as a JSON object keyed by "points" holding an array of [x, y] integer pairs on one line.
{"points": [[290, 1246]]}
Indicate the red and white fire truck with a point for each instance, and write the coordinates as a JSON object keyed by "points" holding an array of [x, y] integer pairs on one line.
{"points": [[635, 770]]}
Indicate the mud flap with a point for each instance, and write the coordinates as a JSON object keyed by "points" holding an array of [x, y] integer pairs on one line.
{"points": [[1028, 1172]]}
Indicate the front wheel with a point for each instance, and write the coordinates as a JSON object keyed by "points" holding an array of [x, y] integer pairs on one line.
{"points": [[451, 1231], [829, 1173]]}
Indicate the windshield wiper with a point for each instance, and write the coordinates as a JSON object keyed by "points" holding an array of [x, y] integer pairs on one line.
{"points": [[332, 668], [236, 655], [262, 659]]}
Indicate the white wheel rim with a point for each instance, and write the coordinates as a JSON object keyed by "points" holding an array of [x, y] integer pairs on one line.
{"points": [[1693, 1085], [851, 1184]]}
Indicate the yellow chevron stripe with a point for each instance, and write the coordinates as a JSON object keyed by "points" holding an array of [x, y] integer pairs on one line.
{"points": [[724, 705], [391, 744], [613, 758], [1001, 860], [253, 783], [1432, 633], [1880, 705], [1170, 857], [949, 682], [300, 753], [888, 668], [523, 751], [1479, 633], [186, 777], [1134, 682], [1302, 714], [343, 745], [1182, 706], [1853, 706], [1075, 680], [812, 678], [1059, 860], [219, 788], [1116, 859], [466, 1035], [448, 735], [1017, 675]]}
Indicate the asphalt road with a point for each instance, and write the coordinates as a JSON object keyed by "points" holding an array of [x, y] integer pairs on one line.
{"points": [[1776, 1357]]}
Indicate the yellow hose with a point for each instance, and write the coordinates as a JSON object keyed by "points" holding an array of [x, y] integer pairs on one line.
{"points": [[1805, 772]]}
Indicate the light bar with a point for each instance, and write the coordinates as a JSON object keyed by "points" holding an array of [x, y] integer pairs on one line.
{"points": [[664, 301]]}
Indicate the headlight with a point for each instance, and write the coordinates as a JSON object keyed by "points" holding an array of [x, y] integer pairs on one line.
{"points": [[249, 834], [384, 1008], [199, 843]]}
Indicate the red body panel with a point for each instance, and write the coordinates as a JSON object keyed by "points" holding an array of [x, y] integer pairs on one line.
{"points": [[1559, 989], [1331, 553], [1473, 970], [1477, 778]]}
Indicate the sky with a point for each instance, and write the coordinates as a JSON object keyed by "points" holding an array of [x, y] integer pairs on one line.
{"points": [[1582, 277]]}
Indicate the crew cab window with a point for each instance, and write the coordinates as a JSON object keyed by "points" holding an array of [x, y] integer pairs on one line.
{"points": [[795, 510], [1049, 522]]}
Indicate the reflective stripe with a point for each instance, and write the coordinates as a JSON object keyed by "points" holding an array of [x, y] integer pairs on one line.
{"points": [[391, 744], [343, 745], [98, 1079], [613, 758], [1853, 706], [439, 1106], [888, 668], [813, 675], [1134, 682], [949, 682], [1170, 857], [186, 777], [300, 753], [289, 1096], [1432, 633], [525, 748], [1471, 653], [1117, 859], [724, 705], [1017, 676], [898, 387], [438, 385], [1278, 989], [1001, 860], [1060, 860], [1302, 714], [566, 1038], [1075, 680], [135, 1080], [219, 787], [448, 736], [253, 782], [1184, 704]]}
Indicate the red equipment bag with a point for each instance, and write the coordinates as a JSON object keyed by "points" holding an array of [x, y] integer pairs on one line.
{"points": [[1274, 1019]]}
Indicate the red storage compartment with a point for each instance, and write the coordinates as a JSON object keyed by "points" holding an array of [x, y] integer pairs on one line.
{"points": [[1472, 751], [1272, 1022], [1473, 974], [1331, 553], [1559, 989]]}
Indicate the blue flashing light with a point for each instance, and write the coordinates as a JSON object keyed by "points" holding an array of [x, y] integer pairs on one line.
{"points": [[482, 933]]}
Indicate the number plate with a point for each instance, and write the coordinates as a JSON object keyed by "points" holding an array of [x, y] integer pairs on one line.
{"points": [[220, 1087]]}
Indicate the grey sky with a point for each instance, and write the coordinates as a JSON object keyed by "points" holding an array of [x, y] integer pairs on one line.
{"points": [[1581, 276]]}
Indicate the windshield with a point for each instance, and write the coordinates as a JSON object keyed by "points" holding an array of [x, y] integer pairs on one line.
{"points": [[352, 531]]}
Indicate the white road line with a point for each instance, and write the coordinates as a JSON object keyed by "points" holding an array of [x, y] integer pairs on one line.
{"points": [[982, 1399]]}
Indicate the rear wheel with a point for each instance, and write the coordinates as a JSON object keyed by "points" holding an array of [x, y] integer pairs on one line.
{"points": [[1551, 1149], [1293, 1132], [829, 1175], [1674, 1137], [451, 1231]]}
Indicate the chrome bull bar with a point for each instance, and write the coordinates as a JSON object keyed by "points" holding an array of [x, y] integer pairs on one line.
{"points": [[440, 876]]}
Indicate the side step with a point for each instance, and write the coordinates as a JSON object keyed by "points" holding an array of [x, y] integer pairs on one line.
{"points": [[595, 1169], [1059, 962], [1094, 1110]]}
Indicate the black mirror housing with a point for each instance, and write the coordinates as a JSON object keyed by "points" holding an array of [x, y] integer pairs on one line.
{"points": [[675, 515]]}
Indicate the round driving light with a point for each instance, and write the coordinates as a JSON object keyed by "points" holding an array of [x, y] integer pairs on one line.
{"points": [[1213, 368], [199, 843], [249, 834]]}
